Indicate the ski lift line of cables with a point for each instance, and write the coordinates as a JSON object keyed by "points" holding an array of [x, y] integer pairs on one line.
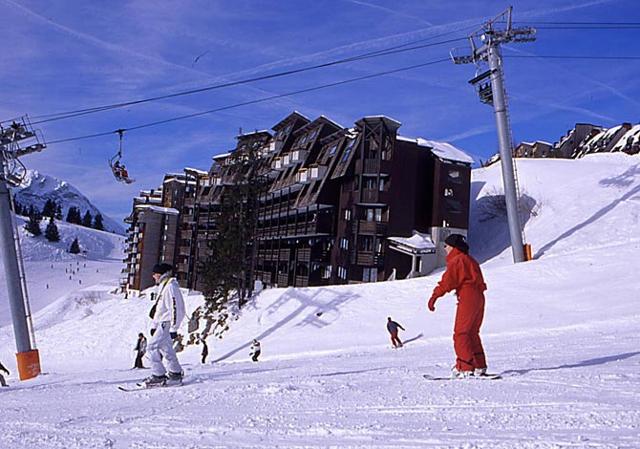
{"points": [[621, 24], [247, 103], [618, 58], [378, 53]]}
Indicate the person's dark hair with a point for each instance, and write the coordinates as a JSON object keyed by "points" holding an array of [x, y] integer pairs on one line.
{"points": [[458, 241], [162, 268]]}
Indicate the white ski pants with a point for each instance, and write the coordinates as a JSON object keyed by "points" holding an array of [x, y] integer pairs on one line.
{"points": [[160, 347]]}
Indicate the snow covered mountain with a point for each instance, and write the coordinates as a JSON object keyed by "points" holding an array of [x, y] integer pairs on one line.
{"points": [[53, 272], [37, 188], [562, 330]]}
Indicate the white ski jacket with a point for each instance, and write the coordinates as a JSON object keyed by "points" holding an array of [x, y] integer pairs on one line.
{"points": [[169, 304]]}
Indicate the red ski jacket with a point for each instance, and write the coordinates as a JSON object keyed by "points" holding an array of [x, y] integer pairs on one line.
{"points": [[462, 275]]}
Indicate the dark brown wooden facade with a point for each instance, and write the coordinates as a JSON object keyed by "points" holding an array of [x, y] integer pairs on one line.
{"points": [[334, 195]]}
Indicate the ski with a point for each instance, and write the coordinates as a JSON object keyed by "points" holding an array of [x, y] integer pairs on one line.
{"points": [[483, 377], [141, 386]]}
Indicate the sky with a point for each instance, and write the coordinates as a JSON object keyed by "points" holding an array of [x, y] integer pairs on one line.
{"points": [[68, 55]]}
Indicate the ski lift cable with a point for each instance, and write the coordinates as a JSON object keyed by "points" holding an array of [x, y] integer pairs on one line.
{"points": [[256, 101], [369, 55]]}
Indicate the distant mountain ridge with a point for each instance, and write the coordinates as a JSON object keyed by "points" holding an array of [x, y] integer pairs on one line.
{"points": [[37, 188]]}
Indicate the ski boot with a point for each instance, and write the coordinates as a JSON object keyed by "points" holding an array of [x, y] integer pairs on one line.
{"points": [[155, 381]]}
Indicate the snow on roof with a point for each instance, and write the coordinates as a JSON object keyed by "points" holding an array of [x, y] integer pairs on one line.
{"points": [[418, 242], [196, 170], [221, 156], [162, 210], [443, 150]]}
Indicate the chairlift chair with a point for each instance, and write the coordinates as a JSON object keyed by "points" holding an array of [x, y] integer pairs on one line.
{"points": [[119, 170]]}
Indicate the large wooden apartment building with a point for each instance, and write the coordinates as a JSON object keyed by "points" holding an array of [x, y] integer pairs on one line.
{"points": [[340, 205]]}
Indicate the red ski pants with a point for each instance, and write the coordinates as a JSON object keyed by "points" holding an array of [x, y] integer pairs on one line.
{"points": [[466, 332], [395, 341]]}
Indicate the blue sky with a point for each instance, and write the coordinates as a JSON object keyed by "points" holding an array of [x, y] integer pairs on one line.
{"points": [[66, 55]]}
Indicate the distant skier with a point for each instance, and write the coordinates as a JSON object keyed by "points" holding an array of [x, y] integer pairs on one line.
{"points": [[393, 327], [141, 348], [463, 275], [205, 350], [166, 314], [255, 350], [5, 370]]}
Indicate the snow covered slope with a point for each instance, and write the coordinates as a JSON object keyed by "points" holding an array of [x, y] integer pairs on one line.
{"points": [[562, 330], [37, 188], [52, 272]]}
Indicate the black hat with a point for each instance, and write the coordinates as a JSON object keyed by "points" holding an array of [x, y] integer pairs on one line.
{"points": [[458, 241], [162, 268]]}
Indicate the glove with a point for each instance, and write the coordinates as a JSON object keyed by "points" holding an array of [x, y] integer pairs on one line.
{"points": [[152, 331], [173, 335], [432, 304]]}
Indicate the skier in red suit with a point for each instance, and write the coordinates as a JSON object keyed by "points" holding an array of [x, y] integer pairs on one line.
{"points": [[464, 276]]}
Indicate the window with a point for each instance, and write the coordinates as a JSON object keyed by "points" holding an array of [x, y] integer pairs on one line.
{"points": [[370, 274], [448, 192], [369, 214], [453, 206], [382, 184], [378, 215], [333, 149], [326, 273], [347, 214], [344, 243], [345, 156], [342, 273], [370, 183], [366, 243], [454, 176]]}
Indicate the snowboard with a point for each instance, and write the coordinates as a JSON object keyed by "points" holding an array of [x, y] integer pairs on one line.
{"points": [[489, 376], [141, 386]]}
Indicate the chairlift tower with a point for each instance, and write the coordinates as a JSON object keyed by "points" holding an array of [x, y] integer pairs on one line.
{"points": [[12, 173], [485, 49]]}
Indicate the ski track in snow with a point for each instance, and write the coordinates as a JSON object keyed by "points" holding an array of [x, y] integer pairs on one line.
{"points": [[562, 330]]}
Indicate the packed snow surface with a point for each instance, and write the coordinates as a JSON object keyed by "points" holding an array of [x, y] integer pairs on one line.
{"points": [[562, 330]]}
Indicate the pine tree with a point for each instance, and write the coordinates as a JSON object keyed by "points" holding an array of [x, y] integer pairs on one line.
{"points": [[49, 209], [59, 212], [33, 225], [75, 247], [97, 222], [17, 208], [70, 215], [87, 220], [51, 232]]}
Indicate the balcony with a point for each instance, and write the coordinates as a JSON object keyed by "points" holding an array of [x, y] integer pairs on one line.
{"points": [[304, 255], [283, 279], [369, 227], [286, 160], [303, 176], [277, 164], [182, 267], [285, 254], [372, 166], [302, 281], [298, 156], [317, 172]]}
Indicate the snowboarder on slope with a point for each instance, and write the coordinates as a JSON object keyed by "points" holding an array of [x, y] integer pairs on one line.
{"points": [[463, 275], [255, 350], [141, 348], [5, 370], [166, 315], [392, 327]]}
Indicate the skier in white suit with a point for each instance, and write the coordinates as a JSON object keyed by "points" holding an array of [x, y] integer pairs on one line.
{"points": [[166, 315]]}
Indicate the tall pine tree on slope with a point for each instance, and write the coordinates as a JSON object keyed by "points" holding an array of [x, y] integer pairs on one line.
{"points": [[51, 231], [33, 225], [75, 247]]}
